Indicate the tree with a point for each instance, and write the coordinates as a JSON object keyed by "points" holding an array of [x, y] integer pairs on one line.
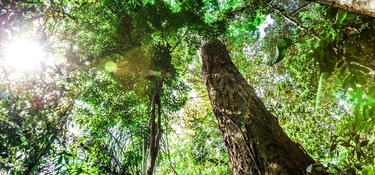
{"points": [[255, 142], [136, 24]]}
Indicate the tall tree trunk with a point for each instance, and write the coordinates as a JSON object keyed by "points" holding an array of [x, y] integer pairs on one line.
{"points": [[255, 141], [363, 7]]}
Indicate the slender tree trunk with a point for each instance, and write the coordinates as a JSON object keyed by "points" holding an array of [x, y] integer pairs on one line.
{"points": [[151, 153], [363, 7], [161, 62], [255, 141]]}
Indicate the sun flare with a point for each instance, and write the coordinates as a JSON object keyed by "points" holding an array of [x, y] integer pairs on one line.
{"points": [[23, 54]]}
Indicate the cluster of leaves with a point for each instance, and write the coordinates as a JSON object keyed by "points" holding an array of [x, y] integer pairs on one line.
{"points": [[345, 51], [333, 48], [194, 143], [34, 115]]}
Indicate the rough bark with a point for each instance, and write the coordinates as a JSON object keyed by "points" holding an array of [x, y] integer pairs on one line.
{"points": [[255, 141], [363, 7]]}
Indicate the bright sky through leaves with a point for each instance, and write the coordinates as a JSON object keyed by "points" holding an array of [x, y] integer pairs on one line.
{"points": [[265, 24]]}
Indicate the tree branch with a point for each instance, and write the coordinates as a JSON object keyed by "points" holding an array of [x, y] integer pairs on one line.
{"points": [[178, 42], [294, 22], [299, 8]]}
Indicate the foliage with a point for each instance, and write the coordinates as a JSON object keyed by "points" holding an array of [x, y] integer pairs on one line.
{"points": [[34, 115], [344, 94], [90, 114], [194, 144]]}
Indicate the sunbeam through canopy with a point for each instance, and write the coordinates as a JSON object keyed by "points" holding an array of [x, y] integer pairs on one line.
{"points": [[23, 55]]}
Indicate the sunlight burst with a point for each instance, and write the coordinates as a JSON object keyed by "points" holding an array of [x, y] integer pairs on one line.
{"points": [[23, 54]]}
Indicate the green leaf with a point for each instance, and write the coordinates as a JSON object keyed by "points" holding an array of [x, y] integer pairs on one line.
{"points": [[59, 160], [340, 16], [34, 168], [309, 168], [280, 52], [274, 59]]}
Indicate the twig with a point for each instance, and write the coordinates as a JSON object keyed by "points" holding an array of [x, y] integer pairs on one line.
{"points": [[42, 26], [167, 152], [366, 67], [299, 8], [178, 42], [294, 22]]}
